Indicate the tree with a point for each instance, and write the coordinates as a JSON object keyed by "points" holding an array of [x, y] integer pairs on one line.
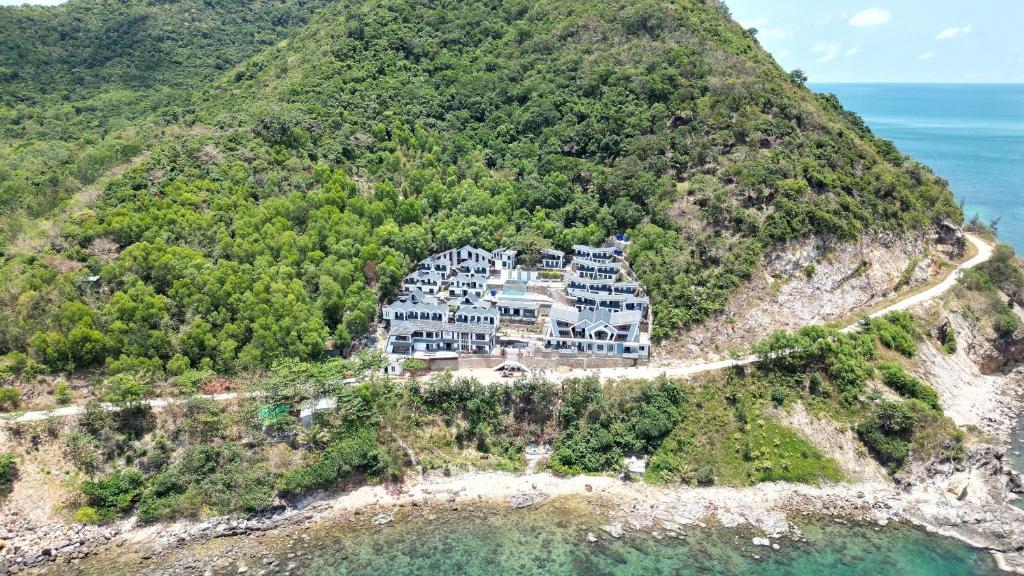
{"points": [[125, 390], [798, 76]]}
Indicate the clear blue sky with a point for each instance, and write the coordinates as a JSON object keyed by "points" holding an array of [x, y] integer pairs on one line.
{"points": [[891, 40]]}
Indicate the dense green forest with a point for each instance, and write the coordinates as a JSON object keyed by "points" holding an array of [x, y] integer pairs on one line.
{"points": [[299, 187], [87, 85]]}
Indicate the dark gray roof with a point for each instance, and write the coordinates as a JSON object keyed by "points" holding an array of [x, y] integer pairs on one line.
{"points": [[407, 328]]}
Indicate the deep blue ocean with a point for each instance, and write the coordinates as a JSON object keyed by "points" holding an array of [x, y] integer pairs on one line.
{"points": [[970, 134]]}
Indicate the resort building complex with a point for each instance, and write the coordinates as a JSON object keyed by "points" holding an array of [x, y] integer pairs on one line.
{"points": [[471, 307]]}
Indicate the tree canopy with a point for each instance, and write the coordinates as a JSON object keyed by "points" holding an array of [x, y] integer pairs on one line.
{"points": [[295, 191]]}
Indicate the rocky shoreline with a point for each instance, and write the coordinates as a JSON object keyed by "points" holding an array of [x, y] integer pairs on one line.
{"points": [[969, 500], [770, 511]]}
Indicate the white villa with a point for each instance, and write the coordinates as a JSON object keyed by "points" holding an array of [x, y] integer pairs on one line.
{"points": [[552, 259], [598, 331], [468, 284]]}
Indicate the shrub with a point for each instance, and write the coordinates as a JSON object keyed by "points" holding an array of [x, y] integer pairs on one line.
{"points": [[114, 494], [21, 364], [778, 396], [83, 450], [10, 398], [62, 392], [218, 479], [705, 476], [949, 343], [1006, 324], [359, 453], [124, 389], [87, 515], [8, 471], [142, 368], [177, 365], [414, 364], [907, 386], [600, 426], [191, 381], [896, 332], [887, 433]]}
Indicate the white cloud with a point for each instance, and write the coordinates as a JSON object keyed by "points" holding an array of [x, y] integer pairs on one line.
{"points": [[774, 34], [953, 32], [766, 32], [852, 51], [871, 17], [759, 22], [926, 56], [827, 51]]}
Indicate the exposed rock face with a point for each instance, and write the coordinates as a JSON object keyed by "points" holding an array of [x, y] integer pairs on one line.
{"points": [[840, 443], [968, 500], [977, 337], [952, 235], [811, 282], [978, 385], [990, 402]]}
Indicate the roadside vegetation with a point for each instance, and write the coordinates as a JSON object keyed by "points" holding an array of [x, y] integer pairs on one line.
{"points": [[1000, 282], [204, 458], [859, 378]]}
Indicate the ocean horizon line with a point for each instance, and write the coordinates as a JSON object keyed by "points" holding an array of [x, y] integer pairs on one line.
{"points": [[872, 83]]}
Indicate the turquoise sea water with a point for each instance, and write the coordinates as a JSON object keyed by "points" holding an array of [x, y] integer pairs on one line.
{"points": [[970, 134], [552, 541]]}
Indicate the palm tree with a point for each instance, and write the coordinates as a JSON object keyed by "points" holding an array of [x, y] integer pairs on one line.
{"points": [[314, 437]]}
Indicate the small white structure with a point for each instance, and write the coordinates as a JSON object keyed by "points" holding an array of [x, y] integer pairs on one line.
{"points": [[426, 281], [596, 253], [636, 464], [309, 409], [476, 314], [595, 269]]}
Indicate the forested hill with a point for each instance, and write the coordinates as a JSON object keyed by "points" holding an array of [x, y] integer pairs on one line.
{"points": [[84, 84], [316, 173]]}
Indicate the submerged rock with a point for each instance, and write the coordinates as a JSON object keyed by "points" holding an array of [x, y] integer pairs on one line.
{"points": [[526, 499], [384, 518], [614, 529]]}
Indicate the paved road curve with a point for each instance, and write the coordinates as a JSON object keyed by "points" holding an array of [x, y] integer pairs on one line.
{"points": [[644, 372], [647, 372]]}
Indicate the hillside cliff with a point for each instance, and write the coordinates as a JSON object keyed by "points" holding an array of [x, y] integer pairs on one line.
{"points": [[312, 176]]}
